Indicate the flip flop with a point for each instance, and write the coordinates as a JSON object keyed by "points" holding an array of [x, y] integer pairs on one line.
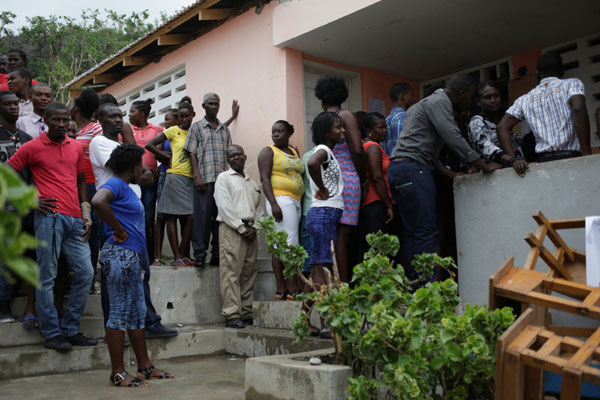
{"points": [[29, 321]]}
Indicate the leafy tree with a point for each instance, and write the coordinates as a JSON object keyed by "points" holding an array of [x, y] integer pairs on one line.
{"points": [[60, 48]]}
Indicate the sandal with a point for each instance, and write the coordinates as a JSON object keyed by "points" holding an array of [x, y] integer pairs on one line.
{"points": [[29, 321], [294, 295], [289, 296], [188, 261], [119, 379], [180, 263], [280, 296], [158, 263], [147, 373]]}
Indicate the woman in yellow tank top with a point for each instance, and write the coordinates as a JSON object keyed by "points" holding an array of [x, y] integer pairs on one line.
{"points": [[281, 176]]}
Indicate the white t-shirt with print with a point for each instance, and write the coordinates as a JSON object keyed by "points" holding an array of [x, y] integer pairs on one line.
{"points": [[331, 174]]}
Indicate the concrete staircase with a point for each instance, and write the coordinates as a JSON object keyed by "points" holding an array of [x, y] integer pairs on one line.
{"points": [[186, 298]]}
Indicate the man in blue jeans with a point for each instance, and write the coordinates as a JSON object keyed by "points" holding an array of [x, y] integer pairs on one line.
{"points": [[429, 125], [101, 147], [62, 222]]}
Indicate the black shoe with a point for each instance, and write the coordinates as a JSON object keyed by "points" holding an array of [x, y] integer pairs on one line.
{"points": [[58, 343], [235, 323], [214, 262], [5, 314], [80, 340], [199, 264], [248, 321], [161, 332]]}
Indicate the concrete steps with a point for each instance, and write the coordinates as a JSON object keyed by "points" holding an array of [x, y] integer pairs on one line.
{"points": [[22, 361], [279, 314], [14, 334]]}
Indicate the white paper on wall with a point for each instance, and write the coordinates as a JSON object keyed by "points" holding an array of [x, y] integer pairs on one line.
{"points": [[592, 251]]}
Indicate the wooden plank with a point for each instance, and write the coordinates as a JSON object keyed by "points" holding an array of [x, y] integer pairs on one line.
{"points": [[173, 38], [502, 343], [593, 299], [572, 289], [534, 252], [585, 352], [553, 235], [570, 306], [559, 254], [107, 78], [590, 375], [547, 256], [534, 383], [139, 60], [571, 223], [496, 277], [214, 14], [571, 384], [552, 363], [571, 330]]}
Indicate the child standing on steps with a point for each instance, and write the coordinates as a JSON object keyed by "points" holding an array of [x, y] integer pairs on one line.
{"points": [[327, 205], [120, 260]]}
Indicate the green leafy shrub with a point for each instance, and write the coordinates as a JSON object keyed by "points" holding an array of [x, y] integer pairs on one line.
{"points": [[14, 242], [402, 344]]}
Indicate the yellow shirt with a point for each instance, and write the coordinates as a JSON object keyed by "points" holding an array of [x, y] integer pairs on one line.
{"points": [[286, 175], [180, 159]]}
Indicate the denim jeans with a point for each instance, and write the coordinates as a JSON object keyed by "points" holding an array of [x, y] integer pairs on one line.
{"points": [[61, 234], [413, 189], [121, 269], [97, 227], [149, 202], [205, 223], [152, 318]]}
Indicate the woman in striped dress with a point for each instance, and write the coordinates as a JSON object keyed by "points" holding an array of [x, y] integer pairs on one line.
{"points": [[332, 92]]}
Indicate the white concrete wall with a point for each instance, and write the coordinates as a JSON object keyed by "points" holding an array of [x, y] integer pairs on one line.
{"points": [[493, 213]]}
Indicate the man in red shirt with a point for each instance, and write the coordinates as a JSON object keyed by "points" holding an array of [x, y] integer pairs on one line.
{"points": [[56, 163]]}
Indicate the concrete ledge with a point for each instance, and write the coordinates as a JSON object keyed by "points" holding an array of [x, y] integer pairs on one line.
{"points": [[14, 334], [255, 342], [285, 377], [191, 341], [279, 314], [93, 306]]}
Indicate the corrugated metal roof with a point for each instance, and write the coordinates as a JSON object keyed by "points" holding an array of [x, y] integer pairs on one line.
{"points": [[132, 44]]}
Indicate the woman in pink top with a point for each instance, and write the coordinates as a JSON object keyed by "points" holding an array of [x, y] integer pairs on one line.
{"points": [[143, 132], [82, 113], [377, 207]]}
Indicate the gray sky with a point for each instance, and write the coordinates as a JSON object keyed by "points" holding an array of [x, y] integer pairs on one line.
{"points": [[72, 8]]}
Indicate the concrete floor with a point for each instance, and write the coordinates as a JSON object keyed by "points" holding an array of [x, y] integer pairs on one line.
{"points": [[210, 378]]}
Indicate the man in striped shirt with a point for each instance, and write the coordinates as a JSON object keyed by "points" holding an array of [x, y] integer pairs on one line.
{"points": [[556, 113]]}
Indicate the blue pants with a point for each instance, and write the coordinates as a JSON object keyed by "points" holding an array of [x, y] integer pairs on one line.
{"points": [[97, 227], [413, 189], [149, 202], [152, 318], [61, 234], [306, 242]]}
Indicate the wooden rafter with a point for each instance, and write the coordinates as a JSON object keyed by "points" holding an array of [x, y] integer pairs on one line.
{"points": [[138, 60], [173, 38], [106, 78], [215, 14]]}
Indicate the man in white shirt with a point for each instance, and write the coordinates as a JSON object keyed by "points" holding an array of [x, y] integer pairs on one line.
{"points": [[33, 124], [555, 112], [240, 203], [101, 147]]}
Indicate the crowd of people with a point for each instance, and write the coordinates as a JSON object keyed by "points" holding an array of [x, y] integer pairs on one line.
{"points": [[107, 190]]}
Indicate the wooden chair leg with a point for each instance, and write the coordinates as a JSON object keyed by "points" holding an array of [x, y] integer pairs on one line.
{"points": [[571, 384]]}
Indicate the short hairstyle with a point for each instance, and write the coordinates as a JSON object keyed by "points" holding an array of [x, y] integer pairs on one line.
{"points": [[322, 125], [483, 84], [186, 98], [368, 122], [55, 107], [20, 52], [88, 102], [234, 146], [184, 104], [4, 93], [459, 82], [550, 63], [399, 88], [173, 111], [108, 98], [289, 127], [143, 106], [208, 96], [102, 110], [23, 73], [124, 157], [331, 90], [40, 85]]}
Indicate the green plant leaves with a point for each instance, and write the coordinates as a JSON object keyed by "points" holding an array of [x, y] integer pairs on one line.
{"points": [[399, 343]]}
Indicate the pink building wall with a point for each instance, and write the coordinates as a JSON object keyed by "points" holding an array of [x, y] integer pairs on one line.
{"points": [[237, 60]]}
